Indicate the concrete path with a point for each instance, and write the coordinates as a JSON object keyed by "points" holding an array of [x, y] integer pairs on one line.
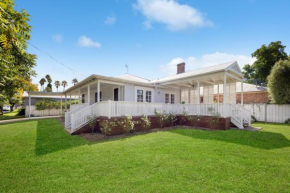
{"points": [[26, 119]]}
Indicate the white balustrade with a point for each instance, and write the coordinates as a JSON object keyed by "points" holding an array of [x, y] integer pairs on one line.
{"points": [[109, 109]]}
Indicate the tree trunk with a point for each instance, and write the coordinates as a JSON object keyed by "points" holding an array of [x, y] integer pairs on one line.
{"points": [[1, 110], [11, 107]]}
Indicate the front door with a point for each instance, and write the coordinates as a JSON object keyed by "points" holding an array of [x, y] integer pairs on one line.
{"points": [[116, 94]]}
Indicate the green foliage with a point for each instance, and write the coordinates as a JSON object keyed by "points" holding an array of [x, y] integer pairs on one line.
{"points": [[145, 123], [266, 57], [91, 122], [57, 84], [64, 84], [279, 82], [75, 81], [194, 120], [183, 117], [15, 62], [287, 121], [106, 126], [126, 124], [45, 104], [172, 119], [161, 117]]}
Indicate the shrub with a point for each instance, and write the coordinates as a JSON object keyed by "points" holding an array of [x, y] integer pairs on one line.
{"points": [[183, 117], [278, 82], [193, 120], [287, 121], [106, 127], [161, 117], [215, 119], [91, 122], [172, 119], [126, 124], [145, 123]]}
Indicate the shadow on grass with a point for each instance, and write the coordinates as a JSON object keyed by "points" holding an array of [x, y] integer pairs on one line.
{"points": [[52, 137], [259, 139]]}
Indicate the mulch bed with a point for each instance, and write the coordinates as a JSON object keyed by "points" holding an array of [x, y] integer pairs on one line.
{"points": [[100, 136]]}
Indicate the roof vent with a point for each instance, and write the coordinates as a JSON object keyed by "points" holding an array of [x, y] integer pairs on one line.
{"points": [[180, 68]]}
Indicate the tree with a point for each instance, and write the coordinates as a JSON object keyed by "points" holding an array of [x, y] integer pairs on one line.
{"points": [[56, 84], [278, 82], [49, 80], [75, 81], [266, 56], [64, 84], [41, 82], [14, 60]]}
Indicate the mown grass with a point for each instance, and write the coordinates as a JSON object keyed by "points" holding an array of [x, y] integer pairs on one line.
{"points": [[39, 156], [11, 115]]}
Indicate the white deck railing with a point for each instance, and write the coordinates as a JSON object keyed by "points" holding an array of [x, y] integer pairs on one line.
{"points": [[73, 110], [110, 109]]}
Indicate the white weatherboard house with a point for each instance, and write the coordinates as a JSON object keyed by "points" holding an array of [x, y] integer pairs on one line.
{"points": [[130, 95]]}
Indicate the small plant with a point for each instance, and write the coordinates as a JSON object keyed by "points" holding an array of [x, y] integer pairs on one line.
{"points": [[161, 117], [287, 121], [172, 119], [183, 116], [193, 120], [126, 124], [106, 127], [91, 122], [145, 123], [215, 119]]}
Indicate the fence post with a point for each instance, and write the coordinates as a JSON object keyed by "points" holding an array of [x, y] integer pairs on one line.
{"points": [[109, 111], [265, 113]]}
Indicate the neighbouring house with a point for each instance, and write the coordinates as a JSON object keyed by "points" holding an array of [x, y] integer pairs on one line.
{"points": [[103, 96]]}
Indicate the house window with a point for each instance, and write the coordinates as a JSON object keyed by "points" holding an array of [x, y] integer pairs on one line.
{"points": [[166, 98], [172, 98], [148, 96], [96, 96], [140, 96], [83, 98], [201, 99]]}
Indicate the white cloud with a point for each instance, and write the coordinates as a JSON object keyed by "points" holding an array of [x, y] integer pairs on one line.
{"points": [[147, 24], [88, 43], [111, 20], [58, 38], [176, 16], [192, 63]]}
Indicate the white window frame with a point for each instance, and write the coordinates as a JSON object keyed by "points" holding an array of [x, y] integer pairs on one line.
{"points": [[170, 93], [144, 93]]}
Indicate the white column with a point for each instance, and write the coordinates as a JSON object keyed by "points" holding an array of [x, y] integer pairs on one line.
{"points": [[99, 91], [61, 104], [242, 92], [225, 88], [198, 92], [188, 96], [218, 94], [29, 101], [69, 101], [65, 103], [79, 96], [89, 94]]}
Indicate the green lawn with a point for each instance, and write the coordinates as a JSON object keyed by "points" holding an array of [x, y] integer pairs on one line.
{"points": [[11, 115], [39, 156]]}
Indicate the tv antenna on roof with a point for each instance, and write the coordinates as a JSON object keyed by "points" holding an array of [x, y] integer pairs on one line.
{"points": [[127, 67]]}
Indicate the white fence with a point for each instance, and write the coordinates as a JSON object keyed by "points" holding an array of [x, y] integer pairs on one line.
{"points": [[269, 112], [36, 113]]}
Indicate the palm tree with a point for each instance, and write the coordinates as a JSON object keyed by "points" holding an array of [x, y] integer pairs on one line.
{"points": [[42, 81], [56, 84], [64, 84], [75, 81], [49, 80]]}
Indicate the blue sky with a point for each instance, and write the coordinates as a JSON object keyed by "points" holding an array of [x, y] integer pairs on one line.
{"points": [[151, 36]]}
